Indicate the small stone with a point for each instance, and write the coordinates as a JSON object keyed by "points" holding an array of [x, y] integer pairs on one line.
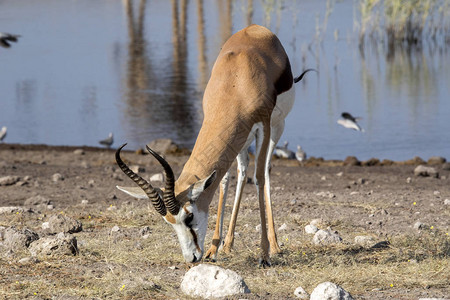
{"points": [[11, 210], [60, 223], [258, 228], [293, 202], [340, 174], [323, 178], [330, 291], [365, 241], [437, 193], [28, 260], [301, 293], [111, 208], [351, 161], [115, 229], [145, 231], [60, 244], [311, 229], [447, 202], [91, 183], [84, 201], [78, 152], [57, 177], [37, 202], [163, 146], [137, 169], [354, 193], [9, 180], [283, 227], [421, 170], [361, 181], [159, 177], [18, 239], [436, 160], [326, 237], [419, 225], [408, 180]]}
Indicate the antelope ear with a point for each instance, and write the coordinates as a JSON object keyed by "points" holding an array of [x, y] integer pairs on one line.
{"points": [[136, 192], [201, 185]]}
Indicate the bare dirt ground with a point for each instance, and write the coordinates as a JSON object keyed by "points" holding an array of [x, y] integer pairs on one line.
{"points": [[378, 201]]}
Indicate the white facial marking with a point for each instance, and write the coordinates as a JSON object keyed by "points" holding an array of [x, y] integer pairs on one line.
{"points": [[191, 237]]}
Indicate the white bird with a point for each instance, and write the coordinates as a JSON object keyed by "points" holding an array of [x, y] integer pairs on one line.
{"points": [[3, 133], [300, 155], [6, 38], [348, 121], [108, 141], [284, 152]]}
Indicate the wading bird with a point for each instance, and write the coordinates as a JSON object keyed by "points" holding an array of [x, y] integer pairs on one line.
{"points": [[108, 141], [3, 133], [348, 121]]}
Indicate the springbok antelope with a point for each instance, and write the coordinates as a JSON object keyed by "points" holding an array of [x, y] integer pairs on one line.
{"points": [[251, 70]]}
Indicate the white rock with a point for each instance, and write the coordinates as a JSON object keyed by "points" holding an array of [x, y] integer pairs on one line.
{"points": [[419, 225], [208, 281], [364, 240], [60, 223], [447, 202], [115, 229], [78, 152], [311, 229], [84, 201], [60, 244], [436, 193], [11, 210], [137, 169], [329, 291], [283, 227], [9, 180], [159, 177], [45, 225], [421, 170], [301, 293], [258, 228], [327, 237], [57, 177]]}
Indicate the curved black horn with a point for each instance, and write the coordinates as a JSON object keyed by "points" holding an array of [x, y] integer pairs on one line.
{"points": [[152, 194], [171, 202], [297, 79]]}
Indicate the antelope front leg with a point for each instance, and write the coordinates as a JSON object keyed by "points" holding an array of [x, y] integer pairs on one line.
{"points": [[260, 183], [242, 160], [217, 236], [275, 134]]}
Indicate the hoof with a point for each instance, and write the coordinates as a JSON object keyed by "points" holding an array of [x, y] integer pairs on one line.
{"points": [[264, 263]]}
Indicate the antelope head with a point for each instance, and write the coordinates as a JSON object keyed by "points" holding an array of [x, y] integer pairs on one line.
{"points": [[178, 209]]}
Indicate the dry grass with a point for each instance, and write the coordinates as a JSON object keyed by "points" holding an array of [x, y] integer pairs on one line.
{"points": [[123, 265]]}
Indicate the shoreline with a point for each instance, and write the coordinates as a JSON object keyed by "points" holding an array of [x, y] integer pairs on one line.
{"points": [[310, 161]]}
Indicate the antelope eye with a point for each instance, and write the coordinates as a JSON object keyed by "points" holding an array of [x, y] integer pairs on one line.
{"points": [[189, 219]]}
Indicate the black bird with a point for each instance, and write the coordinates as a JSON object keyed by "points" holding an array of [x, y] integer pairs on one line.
{"points": [[6, 38]]}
